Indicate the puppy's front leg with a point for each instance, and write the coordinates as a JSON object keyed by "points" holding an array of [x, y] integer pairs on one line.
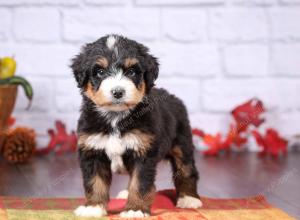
{"points": [[95, 167], [141, 190]]}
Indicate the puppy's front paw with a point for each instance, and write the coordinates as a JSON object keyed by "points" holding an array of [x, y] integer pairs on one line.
{"points": [[188, 202], [90, 211], [133, 214], [123, 194]]}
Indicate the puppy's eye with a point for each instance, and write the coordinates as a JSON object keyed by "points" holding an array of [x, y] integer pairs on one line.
{"points": [[130, 72], [100, 72]]}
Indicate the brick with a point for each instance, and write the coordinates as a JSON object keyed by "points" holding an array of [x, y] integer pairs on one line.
{"points": [[210, 123], [67, 96], [105, 2], [224, 95], [246, 60], [288, 124], [69, 118], [40, 122], [254, 2], [289, 1], [176, 32], [238, 24], [178, 2], [42, 25], [38, 2], [155, 48], [141, 24], [189, 59], [285, 59], [5, 23], [285, 23], [43, 95], [88, 25], [42, 60], [184, 24], [188, 90]]}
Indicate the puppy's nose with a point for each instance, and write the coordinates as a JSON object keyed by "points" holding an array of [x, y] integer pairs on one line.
{"points": [[118, 92]]}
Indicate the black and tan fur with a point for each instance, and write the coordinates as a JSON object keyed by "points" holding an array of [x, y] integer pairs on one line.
{"points": [[153, 121]]}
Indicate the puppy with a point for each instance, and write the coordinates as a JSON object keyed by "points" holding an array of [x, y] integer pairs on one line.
{"points": [[126, 125]]}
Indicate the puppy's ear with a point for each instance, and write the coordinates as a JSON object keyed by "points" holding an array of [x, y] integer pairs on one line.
{"points": [[79, 69], [151, 74]]}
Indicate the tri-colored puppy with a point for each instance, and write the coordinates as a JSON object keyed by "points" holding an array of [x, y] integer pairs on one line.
{"points": [[126, 125]]}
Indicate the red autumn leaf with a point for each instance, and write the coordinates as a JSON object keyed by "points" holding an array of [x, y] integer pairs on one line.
{"points": [[214, 144], [271, 143], [198, 132], [260, 140], [248, 114], [275, 143], [234, 137], [51, 144], [60, 140]]}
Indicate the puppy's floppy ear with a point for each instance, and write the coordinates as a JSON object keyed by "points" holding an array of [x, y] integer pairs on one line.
{"points": [[79, 69], [151, 74]]}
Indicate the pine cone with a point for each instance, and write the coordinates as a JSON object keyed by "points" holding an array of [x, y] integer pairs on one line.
{"points": [[19, 145]]}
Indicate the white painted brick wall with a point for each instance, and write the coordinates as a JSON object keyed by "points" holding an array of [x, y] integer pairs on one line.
{"points": [[203, 59], [5, 23], [290, 1], [106, 2], [221, 94], [184, 88], [242, 60], [283, 25], [191, 24], [254, 2], [41, 59], [38, 2], [214, 54], [285, 59], [84, 25], [177, 2], [36, 24], [238, 24]]}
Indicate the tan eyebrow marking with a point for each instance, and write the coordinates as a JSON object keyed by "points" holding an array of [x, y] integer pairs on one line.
{"points": [[130, 62], [103, 62]]}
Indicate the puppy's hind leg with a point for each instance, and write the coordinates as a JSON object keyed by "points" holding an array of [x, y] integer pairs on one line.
{"points": [[185, 177]]}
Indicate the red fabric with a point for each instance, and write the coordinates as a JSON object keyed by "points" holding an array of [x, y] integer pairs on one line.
{"points": [[162, 209], [165, 199]]}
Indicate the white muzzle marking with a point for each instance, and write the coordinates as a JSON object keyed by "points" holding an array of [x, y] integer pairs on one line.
{"points": [[118, 81]]}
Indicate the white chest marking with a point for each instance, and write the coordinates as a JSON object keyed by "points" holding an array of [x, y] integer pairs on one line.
{"points": [[114, 145]]}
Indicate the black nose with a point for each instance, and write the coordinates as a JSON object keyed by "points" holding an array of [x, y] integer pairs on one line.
{"points": [[118, 93]]}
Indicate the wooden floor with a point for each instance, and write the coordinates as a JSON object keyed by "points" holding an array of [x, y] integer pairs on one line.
{"points": [[230, 176]]}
